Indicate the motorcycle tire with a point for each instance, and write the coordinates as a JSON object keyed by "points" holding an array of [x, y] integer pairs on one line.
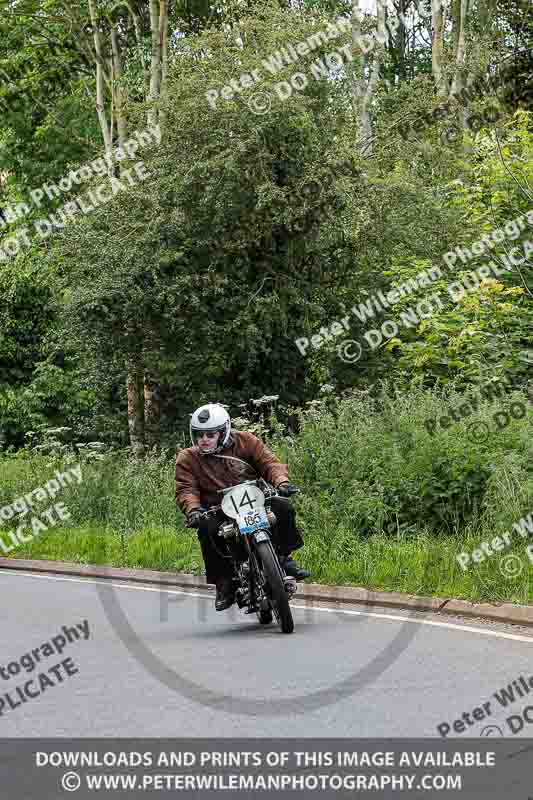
{"points": [[279, 597]]}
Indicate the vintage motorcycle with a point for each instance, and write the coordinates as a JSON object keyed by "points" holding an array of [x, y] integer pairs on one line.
{"points": [[260, 581]]}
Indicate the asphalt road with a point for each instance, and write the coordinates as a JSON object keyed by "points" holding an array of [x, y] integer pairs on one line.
{"points": [[182, 669]]}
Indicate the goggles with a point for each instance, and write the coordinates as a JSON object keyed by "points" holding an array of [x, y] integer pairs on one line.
{"points": [[209, 434]]}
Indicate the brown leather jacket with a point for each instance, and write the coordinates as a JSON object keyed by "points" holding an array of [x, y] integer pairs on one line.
{"points": [[199, 477]]}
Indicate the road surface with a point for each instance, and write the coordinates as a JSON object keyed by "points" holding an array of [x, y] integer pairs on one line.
{"points": [[182, 669]]}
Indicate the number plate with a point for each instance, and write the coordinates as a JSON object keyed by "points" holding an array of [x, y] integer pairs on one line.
{"points": [[246, 505], [252, 521]]}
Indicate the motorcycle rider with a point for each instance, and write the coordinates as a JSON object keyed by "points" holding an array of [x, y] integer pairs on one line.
{"points": [[221, 457]]}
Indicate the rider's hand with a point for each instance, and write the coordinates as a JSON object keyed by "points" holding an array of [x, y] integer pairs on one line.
{"points": [[193, 518], [285, 489]]}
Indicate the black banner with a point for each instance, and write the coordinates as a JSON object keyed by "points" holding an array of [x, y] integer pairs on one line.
{"points": [[476, 769]]}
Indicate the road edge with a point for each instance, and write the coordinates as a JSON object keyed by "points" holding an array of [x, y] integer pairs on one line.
{"points": [[355, 595]]}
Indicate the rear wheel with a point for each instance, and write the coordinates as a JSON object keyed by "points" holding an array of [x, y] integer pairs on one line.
{"points": [[276, 586]]}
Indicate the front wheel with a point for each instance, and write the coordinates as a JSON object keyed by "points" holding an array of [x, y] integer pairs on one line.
{"points": [[264, 615], [276, 586]]}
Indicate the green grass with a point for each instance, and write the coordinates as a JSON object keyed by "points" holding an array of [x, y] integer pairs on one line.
{"points": [[161, 549], [384, 504], [422, 565]]}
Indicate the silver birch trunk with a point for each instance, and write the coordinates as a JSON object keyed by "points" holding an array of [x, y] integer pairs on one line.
{"points": [[437, 47]]}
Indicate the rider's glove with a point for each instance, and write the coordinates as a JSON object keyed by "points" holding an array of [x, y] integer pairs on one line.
{"points": [[285, 489], [193, 518]]}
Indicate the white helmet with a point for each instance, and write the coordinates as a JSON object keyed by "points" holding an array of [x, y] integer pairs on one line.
{"points": [[209, 419]]}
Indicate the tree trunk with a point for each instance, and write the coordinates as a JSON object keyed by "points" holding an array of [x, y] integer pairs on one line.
{"points": [[152, 409], [437, 47], [78, 35], [362, 89], [100, 74], [482, 44], [459, 23], [137, 24], [356, 82], [155, 64], [143, 417], [118, 89], [163, 16], [400, 42], [135, 406]]}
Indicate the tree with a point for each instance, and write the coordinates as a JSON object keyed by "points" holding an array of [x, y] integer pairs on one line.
{"points": [[220, 251], [437, 47], [44, 75], [366, 73]]}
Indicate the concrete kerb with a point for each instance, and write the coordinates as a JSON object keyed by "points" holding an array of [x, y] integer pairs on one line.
{"points": [[504, 612]]}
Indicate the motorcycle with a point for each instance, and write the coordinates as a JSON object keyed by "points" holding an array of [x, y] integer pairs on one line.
{"points": [[261, 585]]}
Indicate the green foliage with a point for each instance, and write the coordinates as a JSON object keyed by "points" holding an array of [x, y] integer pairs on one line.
{"points": [[37, 383], [372, 464], [368, 466], [25, 316], [470, 338], [44, 78], [252, 231], [222, 247], [488, 331]]}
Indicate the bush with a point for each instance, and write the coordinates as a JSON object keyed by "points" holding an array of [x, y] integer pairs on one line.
{"points": [[385, 503], [371, 466]]}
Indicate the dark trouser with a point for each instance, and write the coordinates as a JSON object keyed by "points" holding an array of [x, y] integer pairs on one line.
{"points": [[284, 534]]}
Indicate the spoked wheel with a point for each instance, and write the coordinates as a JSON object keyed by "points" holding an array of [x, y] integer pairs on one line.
{"points": [[278, 593]]}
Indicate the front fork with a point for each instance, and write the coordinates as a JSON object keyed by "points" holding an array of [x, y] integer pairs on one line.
{"points": [[255, 574], [249, 592]]}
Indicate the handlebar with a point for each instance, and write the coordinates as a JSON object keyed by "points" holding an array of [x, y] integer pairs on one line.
{"points": [[293, 490], [268, 491]]}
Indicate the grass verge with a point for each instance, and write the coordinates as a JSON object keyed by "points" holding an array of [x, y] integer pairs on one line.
{"points": [[423, 565]]}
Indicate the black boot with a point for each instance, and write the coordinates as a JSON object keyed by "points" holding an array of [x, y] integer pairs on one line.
{"points": [[293, 569], [225, 596]]}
